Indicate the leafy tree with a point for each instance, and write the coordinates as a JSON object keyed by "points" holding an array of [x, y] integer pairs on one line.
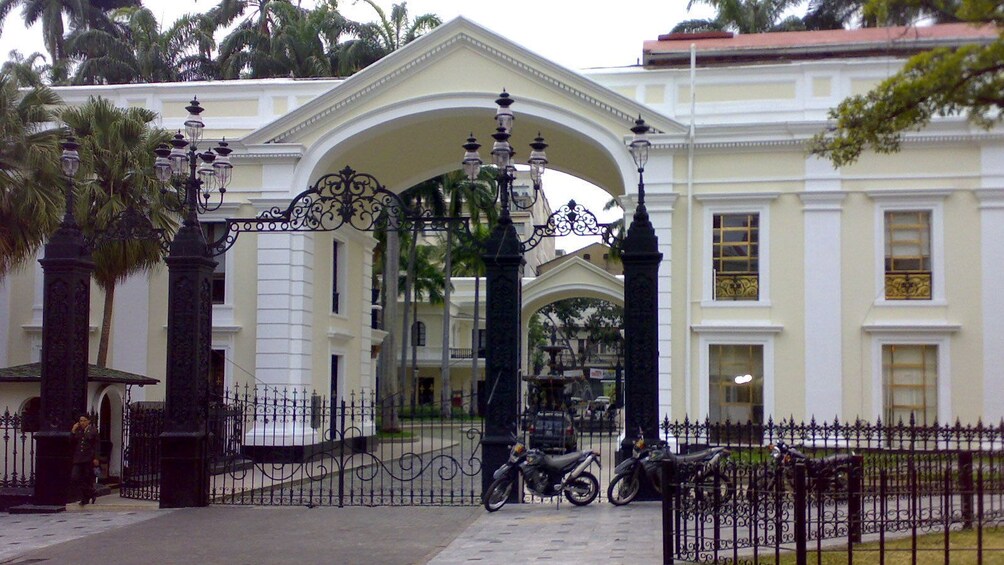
{"points": [[572, 318], [944, 81], [117, 174], [31, 182]]}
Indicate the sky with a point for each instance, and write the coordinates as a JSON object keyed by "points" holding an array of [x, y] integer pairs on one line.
{"points": [[571, 33]]}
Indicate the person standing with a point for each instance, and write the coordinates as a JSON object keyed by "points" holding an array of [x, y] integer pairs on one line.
{"points": [[85, 458]]}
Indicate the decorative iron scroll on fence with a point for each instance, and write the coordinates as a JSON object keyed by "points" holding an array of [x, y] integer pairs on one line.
{"points": [[290, 447], [904, 481], [18, 458]]}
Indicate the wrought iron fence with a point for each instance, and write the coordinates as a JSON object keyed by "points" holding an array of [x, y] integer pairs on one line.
{"points": [[290, 447], [142, 424], [902, 481], [18, 451]]}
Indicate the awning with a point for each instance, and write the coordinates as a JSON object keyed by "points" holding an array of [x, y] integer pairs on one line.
{"points": [[32, 373]]}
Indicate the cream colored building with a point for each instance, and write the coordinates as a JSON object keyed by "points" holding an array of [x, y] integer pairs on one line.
{"points": [[806, 295]]}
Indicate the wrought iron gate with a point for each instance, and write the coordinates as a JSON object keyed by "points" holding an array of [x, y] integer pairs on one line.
{"points": [[142, 423], [289, 447]]}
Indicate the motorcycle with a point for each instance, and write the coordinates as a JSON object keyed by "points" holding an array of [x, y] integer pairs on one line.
{"points": [[544, 475], [700, 473], [823, 474]]}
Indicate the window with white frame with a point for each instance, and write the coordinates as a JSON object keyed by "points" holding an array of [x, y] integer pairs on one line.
{"points": [[214, 231], [908, 255], [736, 249], [909, 247], [735, 383], [735, 256], [910, 383]]}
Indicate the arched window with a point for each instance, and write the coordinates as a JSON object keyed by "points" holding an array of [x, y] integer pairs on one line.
{"points": [[31, 413], [418, 334]]}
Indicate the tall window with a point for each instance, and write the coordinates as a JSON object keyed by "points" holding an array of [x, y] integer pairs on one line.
{"points": [[335, 285], [217, 374], [418, 334], [214, 231], [736, 383], [908, 255], [910, 383], [735, 253]]}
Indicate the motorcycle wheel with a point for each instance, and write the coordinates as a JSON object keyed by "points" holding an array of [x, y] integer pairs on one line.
{"points": [[583, 489], [498, 494], [706, 489], [623, 489]]}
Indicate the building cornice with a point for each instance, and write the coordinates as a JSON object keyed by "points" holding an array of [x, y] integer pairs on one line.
{"points": [[921, 327]]}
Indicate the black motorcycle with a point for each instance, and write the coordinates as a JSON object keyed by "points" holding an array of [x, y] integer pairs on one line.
{"points": [[823, 474], [544, 475], [700, 473]]}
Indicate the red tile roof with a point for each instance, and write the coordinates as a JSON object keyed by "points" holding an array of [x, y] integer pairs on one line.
{"points": [[674, 48]]}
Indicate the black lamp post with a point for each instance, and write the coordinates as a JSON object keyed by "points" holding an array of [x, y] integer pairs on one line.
{"points": [[640, 257], [503, 272], [66, 298], [198, 179]]}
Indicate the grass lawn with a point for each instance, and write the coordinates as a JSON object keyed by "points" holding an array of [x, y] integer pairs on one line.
{"points": [[930, 551]]}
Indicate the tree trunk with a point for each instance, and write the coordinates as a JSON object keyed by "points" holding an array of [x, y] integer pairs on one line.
{"points": [[106, 325], [444, 370], [389, 397], [409, 282]]}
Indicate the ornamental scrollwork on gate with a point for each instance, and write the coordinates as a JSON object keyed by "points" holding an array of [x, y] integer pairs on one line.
{"points": [[346, 198], [569, 219]]}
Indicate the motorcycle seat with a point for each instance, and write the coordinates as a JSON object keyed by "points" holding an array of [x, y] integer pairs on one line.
{"points": [[561, 461], [696, 456], [838, 458]]}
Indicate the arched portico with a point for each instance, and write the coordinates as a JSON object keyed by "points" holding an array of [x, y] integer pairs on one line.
{"points": [[576, 278]]}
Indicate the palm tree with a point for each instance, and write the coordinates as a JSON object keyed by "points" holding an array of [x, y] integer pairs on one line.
{"points": [[747, 16], [837, 14], [252, 49], [27, 70], [430, 192], [475, 197], [31, 184], [50, 13], [379, 39], [469, 262], [117, 150], [142, 52]]}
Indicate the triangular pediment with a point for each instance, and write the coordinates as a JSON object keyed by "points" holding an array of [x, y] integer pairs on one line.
{"points": [[459, 58]]}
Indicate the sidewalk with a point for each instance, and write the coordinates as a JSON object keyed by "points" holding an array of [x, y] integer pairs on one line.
{"points": [[124, 532]]}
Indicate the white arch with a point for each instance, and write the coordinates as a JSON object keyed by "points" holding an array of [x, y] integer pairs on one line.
{"points": [[574, 278], [114, 396], [310, 166]]}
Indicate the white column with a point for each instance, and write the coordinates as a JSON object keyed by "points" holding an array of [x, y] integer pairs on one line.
{"points": [[991, 199], [285, 309], [823, 345]]}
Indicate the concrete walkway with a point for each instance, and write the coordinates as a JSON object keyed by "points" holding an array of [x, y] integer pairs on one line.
{"points": [[122, 531]]}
